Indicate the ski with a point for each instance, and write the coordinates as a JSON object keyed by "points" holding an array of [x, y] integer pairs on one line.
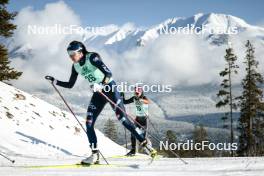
{"points": [[72, 166]]}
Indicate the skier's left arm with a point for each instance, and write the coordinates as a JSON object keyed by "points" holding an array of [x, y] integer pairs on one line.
{"points": [[96, 61]]}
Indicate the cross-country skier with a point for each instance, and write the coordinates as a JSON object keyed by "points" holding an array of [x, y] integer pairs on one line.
{"points": [[92, 68], [141, 102]]}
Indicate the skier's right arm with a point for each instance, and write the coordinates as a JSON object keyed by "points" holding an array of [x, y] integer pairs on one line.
{"points": [[71, 81], [130, 100]]}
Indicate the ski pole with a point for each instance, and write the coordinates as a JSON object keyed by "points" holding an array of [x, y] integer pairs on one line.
{"points": [[75, 116], [13, 161], [103, 157], [132, 118]]}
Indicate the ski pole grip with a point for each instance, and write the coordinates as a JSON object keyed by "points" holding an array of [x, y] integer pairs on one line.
{"points": [[51, 79], [48, 78]]}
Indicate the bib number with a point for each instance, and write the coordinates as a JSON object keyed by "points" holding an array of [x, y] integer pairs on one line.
{"points": [[139, 108], [90, 78]]}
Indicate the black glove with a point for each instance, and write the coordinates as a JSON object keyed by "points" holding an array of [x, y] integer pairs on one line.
{"points": [[50, 78]]}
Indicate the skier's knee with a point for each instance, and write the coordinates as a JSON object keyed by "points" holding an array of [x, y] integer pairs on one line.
{"points": [[139, 131]]}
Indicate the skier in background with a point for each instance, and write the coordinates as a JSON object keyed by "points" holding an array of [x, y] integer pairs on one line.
{"points": [[92, 68], [141, 102]]}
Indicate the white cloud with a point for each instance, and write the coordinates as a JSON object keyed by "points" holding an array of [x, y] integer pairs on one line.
{"points": [[181, 60], [48, 51], [169, 60]]}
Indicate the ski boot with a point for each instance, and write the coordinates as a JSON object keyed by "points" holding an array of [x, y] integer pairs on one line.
{"points": [[149, 149], [93, 159], [132, 152]]}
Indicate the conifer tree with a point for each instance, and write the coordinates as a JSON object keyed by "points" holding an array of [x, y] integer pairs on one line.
{"points": [[251, 121], [225, 93], [6, 30]]}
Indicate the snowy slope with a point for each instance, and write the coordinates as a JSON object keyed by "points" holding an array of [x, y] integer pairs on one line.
{"points": [[32, 127]]}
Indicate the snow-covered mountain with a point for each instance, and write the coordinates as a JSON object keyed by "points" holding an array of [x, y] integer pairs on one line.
{"points": [[128, 36], [31, 127]]}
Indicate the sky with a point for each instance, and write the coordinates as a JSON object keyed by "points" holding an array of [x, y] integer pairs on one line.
{"points": [[150, 12]]}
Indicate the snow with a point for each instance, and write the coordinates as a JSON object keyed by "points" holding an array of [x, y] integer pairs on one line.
{"points": [[211, 20], [114, 37], [35, 133], [121, 34], [139, 166], [123, 38], [31, 127]]}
